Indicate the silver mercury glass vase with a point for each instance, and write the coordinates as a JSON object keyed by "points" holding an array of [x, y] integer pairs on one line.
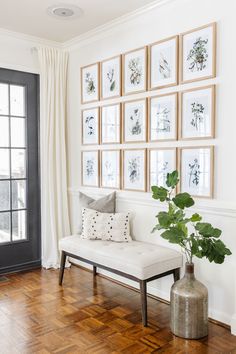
{"points": [[189, 306]]}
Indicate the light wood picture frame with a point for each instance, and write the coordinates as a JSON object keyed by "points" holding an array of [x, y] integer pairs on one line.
{"points": [[110, 167], [198, 54], [90, 83], [90, 168], [134, 170], [163, 117], [134, 121], [163, 63], [134, 71], [196, 167], [160, 162], [111, 77], [90, 126], [110, 124], [197, 113]]}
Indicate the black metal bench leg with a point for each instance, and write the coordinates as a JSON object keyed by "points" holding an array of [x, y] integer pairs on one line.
{"points": [[94, 271], [62, 267], [176, 274], [143, 292]]}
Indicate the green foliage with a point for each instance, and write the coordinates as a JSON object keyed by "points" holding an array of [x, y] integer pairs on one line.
{"points": [[183, 200], [203, 241], [159, 193]]}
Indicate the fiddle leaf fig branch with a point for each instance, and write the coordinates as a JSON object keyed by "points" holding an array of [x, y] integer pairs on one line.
{"points": [[203, 239]]}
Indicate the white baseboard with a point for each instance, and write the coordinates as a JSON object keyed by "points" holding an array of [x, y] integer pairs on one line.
{"points": [[233, 325]]}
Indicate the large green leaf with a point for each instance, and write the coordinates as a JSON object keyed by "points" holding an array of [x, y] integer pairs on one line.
{"points": [[159, 193], [205, 229], [183, 200], [172, 179], [164, 219], [173, 235]]}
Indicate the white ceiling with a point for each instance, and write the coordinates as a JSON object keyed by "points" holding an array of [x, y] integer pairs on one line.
{"points": [[30, 16]]}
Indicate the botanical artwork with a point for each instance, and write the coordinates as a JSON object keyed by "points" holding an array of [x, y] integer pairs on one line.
{"points": [[163, 63], [134, 169], [90, 168], [196, 171], [163, 112], [161, 162], [90, 83], [135, 121], [198, 53], [135, 71], [197, 113], [110, 124], [110, 77], [110, 169], [90, 128]]}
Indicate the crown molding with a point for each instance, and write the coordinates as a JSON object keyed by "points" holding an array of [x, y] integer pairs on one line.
{"points": [[107, 28], [28, 38]]}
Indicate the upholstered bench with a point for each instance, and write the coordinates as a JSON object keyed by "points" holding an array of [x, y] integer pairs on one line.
{"points": [[139, 261]]}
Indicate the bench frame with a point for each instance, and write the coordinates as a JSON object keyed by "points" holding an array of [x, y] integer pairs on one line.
{"points": [[142, 283]]}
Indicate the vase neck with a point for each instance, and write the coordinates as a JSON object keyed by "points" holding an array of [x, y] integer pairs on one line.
{"points": [[189, 271]]}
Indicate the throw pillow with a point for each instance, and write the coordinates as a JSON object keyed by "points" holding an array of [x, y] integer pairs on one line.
{"points": [[105, 204], [105, 226]]}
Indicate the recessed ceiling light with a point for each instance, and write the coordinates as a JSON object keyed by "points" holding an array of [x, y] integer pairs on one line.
{"points": [[65, 11]]}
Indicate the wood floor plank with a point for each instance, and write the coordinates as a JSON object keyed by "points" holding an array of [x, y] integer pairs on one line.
{"points": [[90, 316]]}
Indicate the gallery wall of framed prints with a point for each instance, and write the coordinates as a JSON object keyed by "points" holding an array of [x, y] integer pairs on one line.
{"points": [[156, 125]]}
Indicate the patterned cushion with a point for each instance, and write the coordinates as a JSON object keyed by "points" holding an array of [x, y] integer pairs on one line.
{"points": [[105, 226]]}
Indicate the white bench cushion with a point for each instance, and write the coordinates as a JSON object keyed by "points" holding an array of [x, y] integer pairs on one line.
{"points": [[140, 259]]}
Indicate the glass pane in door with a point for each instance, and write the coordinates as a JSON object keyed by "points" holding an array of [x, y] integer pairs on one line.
{"points": [[18, 225], [18, 194], [4, 131], [4, 164], [17, 100], [5, 228], [4, 99], [18, 132], [4, 195]]}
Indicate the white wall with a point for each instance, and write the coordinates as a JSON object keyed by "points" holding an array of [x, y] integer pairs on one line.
{"points": [[16, 52], [170, 19]]}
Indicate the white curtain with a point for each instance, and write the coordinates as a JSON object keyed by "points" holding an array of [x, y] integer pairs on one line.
{"points": [[54, 200]]}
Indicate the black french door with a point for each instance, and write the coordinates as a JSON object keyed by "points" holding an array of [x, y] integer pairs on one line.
{"points": [[19, 171]]}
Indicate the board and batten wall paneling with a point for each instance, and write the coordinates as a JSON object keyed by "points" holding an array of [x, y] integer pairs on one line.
{"points": [[172, 18]]}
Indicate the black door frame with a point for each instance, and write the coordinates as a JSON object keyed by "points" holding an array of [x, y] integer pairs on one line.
{"points": [[26, 254]]}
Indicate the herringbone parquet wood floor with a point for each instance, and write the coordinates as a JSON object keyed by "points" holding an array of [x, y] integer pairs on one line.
{"points": [[89, 316]]}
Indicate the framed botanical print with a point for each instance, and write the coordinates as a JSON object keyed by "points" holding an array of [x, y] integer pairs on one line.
{"points": [[198, 54], [134, 71], [90, 168], [90, 126], [197, 113], [111, 77], [163, 117], [134, 121], [90, 83], [196, 171], [134, 170], [111, 124], [110, 169], [161, 161], [163, 63]]}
